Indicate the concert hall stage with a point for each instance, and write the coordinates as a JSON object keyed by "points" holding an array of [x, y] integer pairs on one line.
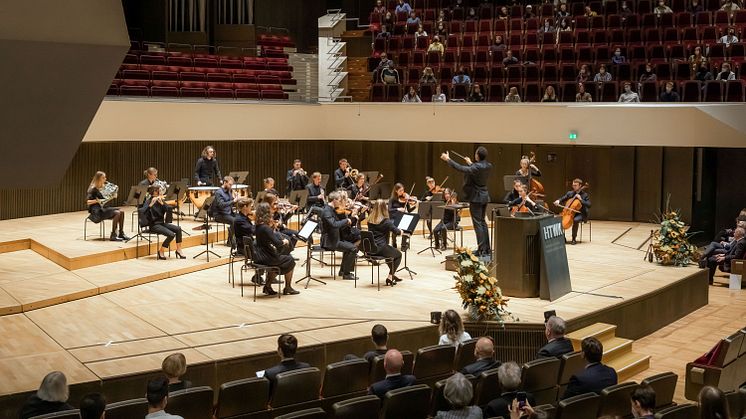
{"points": [[105, 318]]}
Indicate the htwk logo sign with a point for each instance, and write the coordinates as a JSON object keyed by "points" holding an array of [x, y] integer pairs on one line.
{"points": [[553, 231]]}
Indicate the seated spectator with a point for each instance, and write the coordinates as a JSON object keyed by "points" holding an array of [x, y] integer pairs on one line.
{"points": [[436, 46], [582, 95], [392, 363], [703, 72], [157, 395], [618, 58], [175, 366], [384, 34], [557, 344], [403, 7], [498, 45], [529, 14], [668, 94], [584, 75], [595, 376], [696, 59], [441, 32], [509, 58], [476, 94], [513, 96], [562, 12], [713, 404], [442, 16], [503, 13], [92, 406], [411, 96], [428, 77], [662, 8], [722, 242], [589, 12], [602, 75], [287, 345], [564, 26], [725, 73], [528, 412], [509, 375], [452, 329], [389, 75], [736, 250], [729, 38], [439, 96], [380, 337], [730, 6], [628, 96], [472, 14], [461, 77], [547, 28], [459, 392], [51, 397], [484, 352], [643, 402], [695, 7], [379, 8], [413, 19], [383, 63], [648, 74], [549, 95], [420, 32], [388, 20]]}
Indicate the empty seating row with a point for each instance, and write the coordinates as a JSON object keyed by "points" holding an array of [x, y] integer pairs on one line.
{"points": [[209, 62], [248, 76], [196, 92]]}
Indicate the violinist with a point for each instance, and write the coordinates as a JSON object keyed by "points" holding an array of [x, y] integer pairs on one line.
{"points": [[267, 251], [399, 204], [342, 179], [380, 225], [359, 190], [431, 190], [448, 222], [269, 186], [280, 217], [331, 240], [315, 191], [566, 200], [523, 203], [349, 233], [515, 193], [297, 178]]}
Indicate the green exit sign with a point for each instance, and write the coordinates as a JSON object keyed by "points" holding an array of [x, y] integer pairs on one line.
{"points": [[572, 136]]}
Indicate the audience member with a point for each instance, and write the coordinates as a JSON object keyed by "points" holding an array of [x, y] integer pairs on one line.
{"points": [[441, 31], [562, 12], [736, 250], [557, 344], [509, 58], [529, 14], [602, 75], [175, 366], [51, 397], [564, 26], [725, 73], [392, 363], [92, 406], [420, 32], [582, 95], [442, 16], [695, 7], [403, 7], [452, 329], [383, 61], [157, 395], [436, 46], [498, 45], [384, 34], [388, 20], [461, 77], [647, 74], [476, 94], [696, 59], [380, 337], [484, 352], [413, 19], [547, 28], [729, 38], [503, 13], [730, 6], [287, 345], [549, 95], [428, 76], [439, 96], [662, 8], [595, 376], [589, 12], [721, 243], [628, 96], [643, 402], [526, 412], [411, 96], [513, 96], [459, 392], [584, 75], [618, 58], [625, 12], [379, 8], [389, 75], [668, 94], [713, 404], [472, 14], [509, 375], [703, 72]]}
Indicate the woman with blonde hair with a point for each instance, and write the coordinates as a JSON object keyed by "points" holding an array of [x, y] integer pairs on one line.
{"points": [[98, 213], [380, 225], [513, 96], [50, 398], [452, 329], [549, 94], [175, 366]]}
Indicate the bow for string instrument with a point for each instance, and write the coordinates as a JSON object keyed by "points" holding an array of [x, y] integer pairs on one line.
{"points": [[408, 198], [572, 207], [439, 188]]}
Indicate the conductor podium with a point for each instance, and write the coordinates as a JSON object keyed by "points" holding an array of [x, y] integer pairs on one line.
{"points": [[530, 256]]}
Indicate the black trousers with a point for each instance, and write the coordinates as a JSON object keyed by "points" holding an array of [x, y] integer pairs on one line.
{"points": [[440, 233], [712, 265], [575, 224], [478, 211], [169, 231], [348, 256], [226, 219], [388, 251]]}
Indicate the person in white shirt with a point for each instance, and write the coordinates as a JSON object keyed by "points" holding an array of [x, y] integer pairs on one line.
{"points": [[729, 38], [439, 96], [411, 96], [452, 329], [628, 96], [725, 73]]}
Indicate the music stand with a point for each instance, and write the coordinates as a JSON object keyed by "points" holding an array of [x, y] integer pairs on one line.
{"points": [[426, 210], [259, 198], [304, 235], [380, 191], [206, 228], [299, 198], [407, 224], [239, 177], [324, 180], [136, 196], [370, 176]]}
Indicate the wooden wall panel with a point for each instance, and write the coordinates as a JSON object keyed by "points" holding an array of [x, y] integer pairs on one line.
{"points": [[648, 183], [678, 179]]}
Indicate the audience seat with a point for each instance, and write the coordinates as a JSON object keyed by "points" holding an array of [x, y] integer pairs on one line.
{"points": [[66, 414], [242, 398], [487, 388], [433, 363], [191, 403], [439, 401], [407, 402], [128, 409], [364, 407], [377, 373], [540, 377], [313, 413], [718, 367], [344, 380], [296, 389], [682, 411], [615, 399], [664, 385], [465, 354], [583, 406], [735, 403]]}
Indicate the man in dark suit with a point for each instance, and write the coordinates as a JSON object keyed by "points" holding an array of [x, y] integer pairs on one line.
{"points": [[332, 240], [287, 345], [475, 191], [567, 199], [297, 178], [222, 206], [315, 191], [342, 179], [509, 375], [392, 363], [596, 376], [484, 352], [736, 251], [557, 344]]}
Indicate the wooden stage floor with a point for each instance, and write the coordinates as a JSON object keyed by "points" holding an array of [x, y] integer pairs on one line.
{"points": [[90, 309]]}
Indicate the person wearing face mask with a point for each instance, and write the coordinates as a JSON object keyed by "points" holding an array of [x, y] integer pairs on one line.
{"points": [[436, 46], [668, 94], [403, 6], [509, 58], [564, 26], [379, 8], [662, 8], [584, 75], [730, 6], [618, 58], [625, 11], [729, 38], [696, 59], [498, 45], [695, 7], [582, 95], [725, 73], [389, 75], [648, 74], [442, 16], [628, 96], [703, 73], [562, 12], [589, 12], [472, 15], [503, 15], [441, 31], [461, 77], [602, 75]]}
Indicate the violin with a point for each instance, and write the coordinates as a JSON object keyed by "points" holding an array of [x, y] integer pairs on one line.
{"points": [[572, 207], [439, 188]]}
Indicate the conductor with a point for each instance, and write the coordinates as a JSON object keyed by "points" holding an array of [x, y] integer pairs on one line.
{"points": [[475, 191]]}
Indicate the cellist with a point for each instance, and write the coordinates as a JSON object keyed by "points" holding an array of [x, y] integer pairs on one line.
{"points": [[567, 200], [523, 202]]}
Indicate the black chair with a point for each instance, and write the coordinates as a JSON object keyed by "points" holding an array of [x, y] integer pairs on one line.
{"points": [[191, 403], [369, 249], [378, 373], [583, 406], [313, 413], [296, 390], [439, 401], [407, 402], [465, 354], [664, 385], [539, 377], [65, 414], [615, 399], [487, 388], [433, 363], [364, 407], [571, 364], [344, 380], [735, 403], [250, 265], [128, 409], [242, 398], [681, 411], [549, 410]]}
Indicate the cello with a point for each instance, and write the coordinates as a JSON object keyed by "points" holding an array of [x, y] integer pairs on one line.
{"points": [[572, 207]]}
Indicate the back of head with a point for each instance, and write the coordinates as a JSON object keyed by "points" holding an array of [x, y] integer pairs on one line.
{"points": [[174, 366], [458, 391], [157, 390], [451, 325], [53, 388], [509, 375], [379, 334], [484, 348], [393, 361], [287, 344], [481, 153], [592, 348], [712, 404], [645, 396], [556, 326], [92, 406]]}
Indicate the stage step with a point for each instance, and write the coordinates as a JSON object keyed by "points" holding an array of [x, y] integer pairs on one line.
{"points": [[600, 331], [616, 347], [629, 365], [618, 352]]}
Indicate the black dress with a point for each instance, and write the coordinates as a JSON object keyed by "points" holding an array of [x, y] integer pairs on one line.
{"points": [[266, 250], [96, 211]]}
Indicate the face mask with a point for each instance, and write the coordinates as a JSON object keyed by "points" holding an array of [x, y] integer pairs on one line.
{"points": [[617, 53]]}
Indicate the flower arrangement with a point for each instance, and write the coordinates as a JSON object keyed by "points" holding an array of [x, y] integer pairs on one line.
{"points": [[479, 291], [671, 243]]}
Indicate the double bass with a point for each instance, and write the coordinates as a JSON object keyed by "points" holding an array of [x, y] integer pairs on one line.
{"points": [[535, 188], [571, 208]]}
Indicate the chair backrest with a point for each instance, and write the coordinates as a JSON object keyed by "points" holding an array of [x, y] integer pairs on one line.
{"points": [[195, 402], [664, 385], [407, 402], [487, 388], [65, 414], [363, 407], [540, 374], [583, 406], [434, 361], [615, 399], [735, 403], [314, 413], [368, 243], [439, 401], [571, 363], [135, 408], [681, 411], [296, 386], [345, 377], [378, 373], [243, 396], [465, 354]]}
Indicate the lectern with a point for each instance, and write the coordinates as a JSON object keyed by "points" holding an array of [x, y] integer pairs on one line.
{"points": [[517, 251]]}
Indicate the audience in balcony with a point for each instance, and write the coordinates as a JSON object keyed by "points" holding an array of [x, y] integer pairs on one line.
{"points": [[51, 397], [472, 14], [625, 11], [648, 75], [459, 392], [547, 28], [498, 45], [428, 77], [564, 26], [549, 95], [420, 32], [643, 402], [557, 344], [413, 19], [730, 6], [461, 77], [388, 20], [439, 96], [729, 38], [287, 345], [512, 96], [452, 329], [628, 95], [509, 375], [383, 63], [703, 72], [379, 8], [602, 75], [584, 75], [92, 406], [725, 73], [175, 366], [476, 94], [436, 45], [509, 58], [595, 376], [713, 404], [582, 95], [441, 31], [618, 58], [662, 8], [393, 362], [696, 59], [668, 94], [384, 34], [411, 96], [442, 16], [403, 7], [484, 353], [503, 14], [695, 7], [589, 12], [529, 13], [157, 395], [389, 75], [562, 12]]}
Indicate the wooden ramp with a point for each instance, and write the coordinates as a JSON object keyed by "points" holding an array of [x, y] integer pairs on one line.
{"points": [[618, 352]]}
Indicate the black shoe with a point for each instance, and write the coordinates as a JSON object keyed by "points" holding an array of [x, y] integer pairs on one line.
{"points": [[161, 257], [122, 236], [444, 247], [390, 282], [702, 263], [114, 238], [257, 279], [349, 277], [397, 279], [268, 290], [573, 242], [290, 291], [179, 255]]}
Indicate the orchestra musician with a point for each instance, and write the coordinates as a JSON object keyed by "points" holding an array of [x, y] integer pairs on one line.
{"points": [[399, 204], [359, 189], [515, 193], [297, 178], [98, 213], [243, 226], [222, 207], [267, 251], [523, 203], [432, 189], [380, 225], [151, 178], [350, 233], [448, 222], [577, 192], [207, 169], [269, 186], [342, 179], [331, 227], [280, 217], [528, 169], [153, 214], [315, 191], [475, 190]]}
